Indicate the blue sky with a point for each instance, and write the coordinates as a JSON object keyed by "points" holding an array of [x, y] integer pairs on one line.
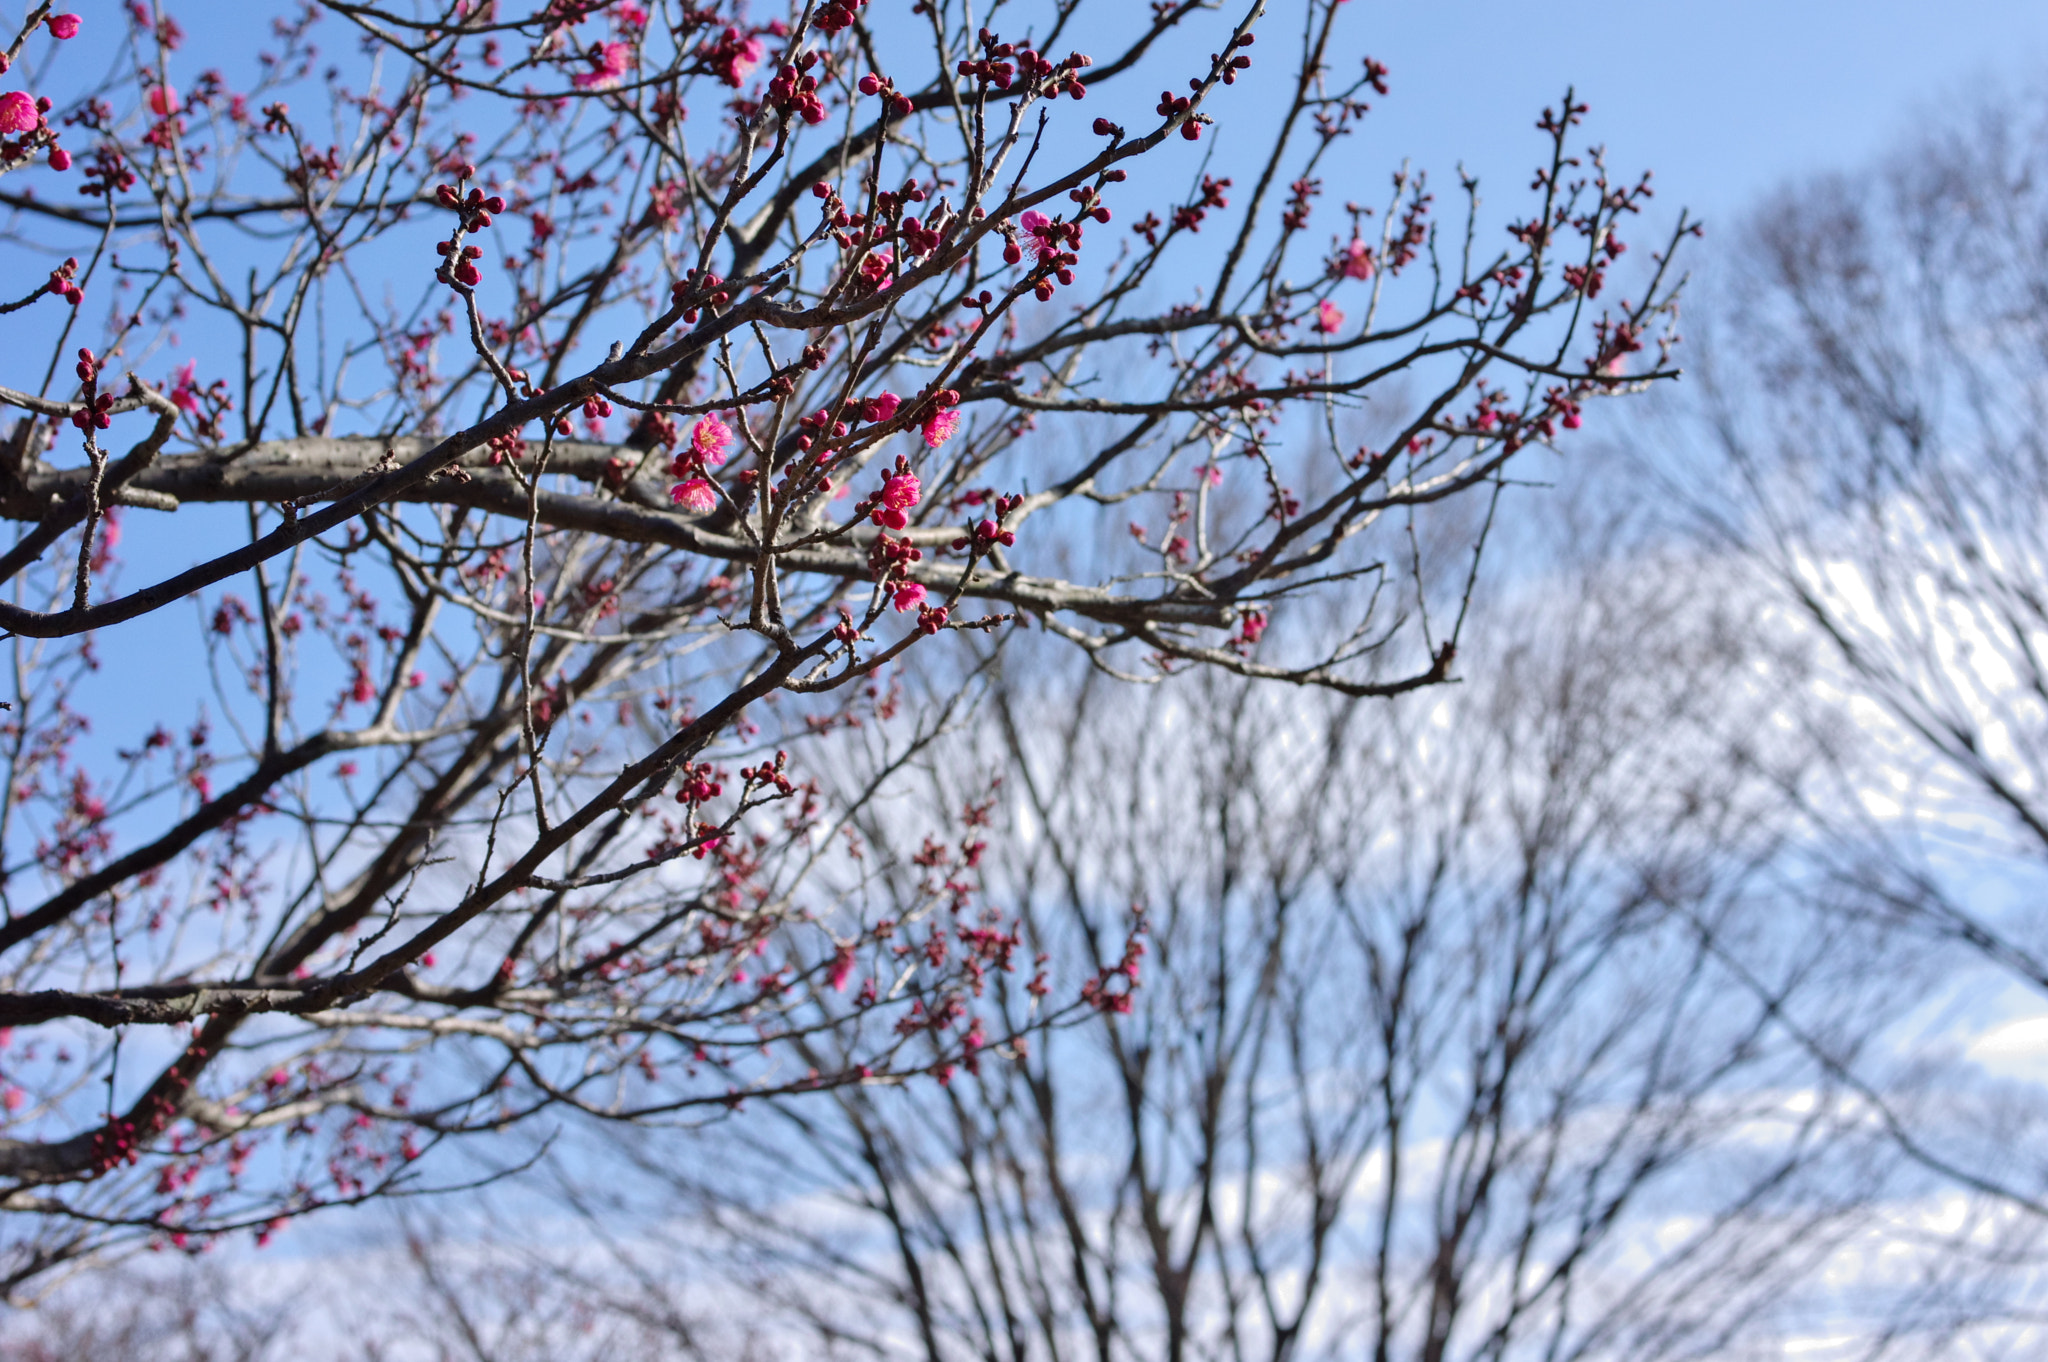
{"points": [[1724, 99]]}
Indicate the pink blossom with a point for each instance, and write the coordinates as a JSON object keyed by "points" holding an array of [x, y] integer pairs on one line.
{"points": [[163, 100], [734, 58], [902, 491], [631, 15], [1356, 262], [1035, 224], [64, 25], [614, 60], [899, 494], [1329, 319], [694, 496], [939, 427], [909, 596], [185, 392], [709, 437], [881, 408], [17, 112]]}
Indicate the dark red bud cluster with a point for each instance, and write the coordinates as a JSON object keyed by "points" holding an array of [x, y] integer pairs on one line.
{"points": [[887, 557], [1001, 62], [1172, 106], [770, 774], [61, 283], [795, 91], [476, 209], [990, 532], [931, 619], [1240, 62], [699, 288], [94, 415], [894, 103], [918, 239], [1091, 203], [837, 14], [699, 784]]}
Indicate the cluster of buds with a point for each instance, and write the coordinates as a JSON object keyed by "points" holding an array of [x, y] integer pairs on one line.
{"points": [[698, 289], [894, 101], [1089, 197], [108, 174], [835, 15], [795, 91], [507, 448], [1172, 106], [1001, 62], [930, 619], [699, 784], [476, 210], [990, 532], [770, 774], [1614, 342], [1241, 62], [1190, 215], [1111, 989], [890, 557], [815, 425], [458, 262], [62, 282], [1249, 630], [95, 414]]}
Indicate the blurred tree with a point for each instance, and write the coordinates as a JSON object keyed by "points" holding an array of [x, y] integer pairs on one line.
{"points": [[1876, 384], [1446, 1048]]}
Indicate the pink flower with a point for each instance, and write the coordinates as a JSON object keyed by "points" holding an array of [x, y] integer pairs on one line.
{"points": [[17, 112], [631, 15], [901, 492], [694, 496], [614, 60], [1329, 320], [163, 100], [709, 437], [734, 58], [64, 25], [939, 427], [1035, 224], [185, 392], [1356, 262], [881, 408], [909, 596]]}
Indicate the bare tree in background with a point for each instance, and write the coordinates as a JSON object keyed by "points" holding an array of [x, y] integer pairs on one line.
{"points": [[563, 409], [1876, 380], [1460, 1037]]}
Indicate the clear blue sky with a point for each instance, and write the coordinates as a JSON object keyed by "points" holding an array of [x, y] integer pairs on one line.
{"points": [[1723, 98]]}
